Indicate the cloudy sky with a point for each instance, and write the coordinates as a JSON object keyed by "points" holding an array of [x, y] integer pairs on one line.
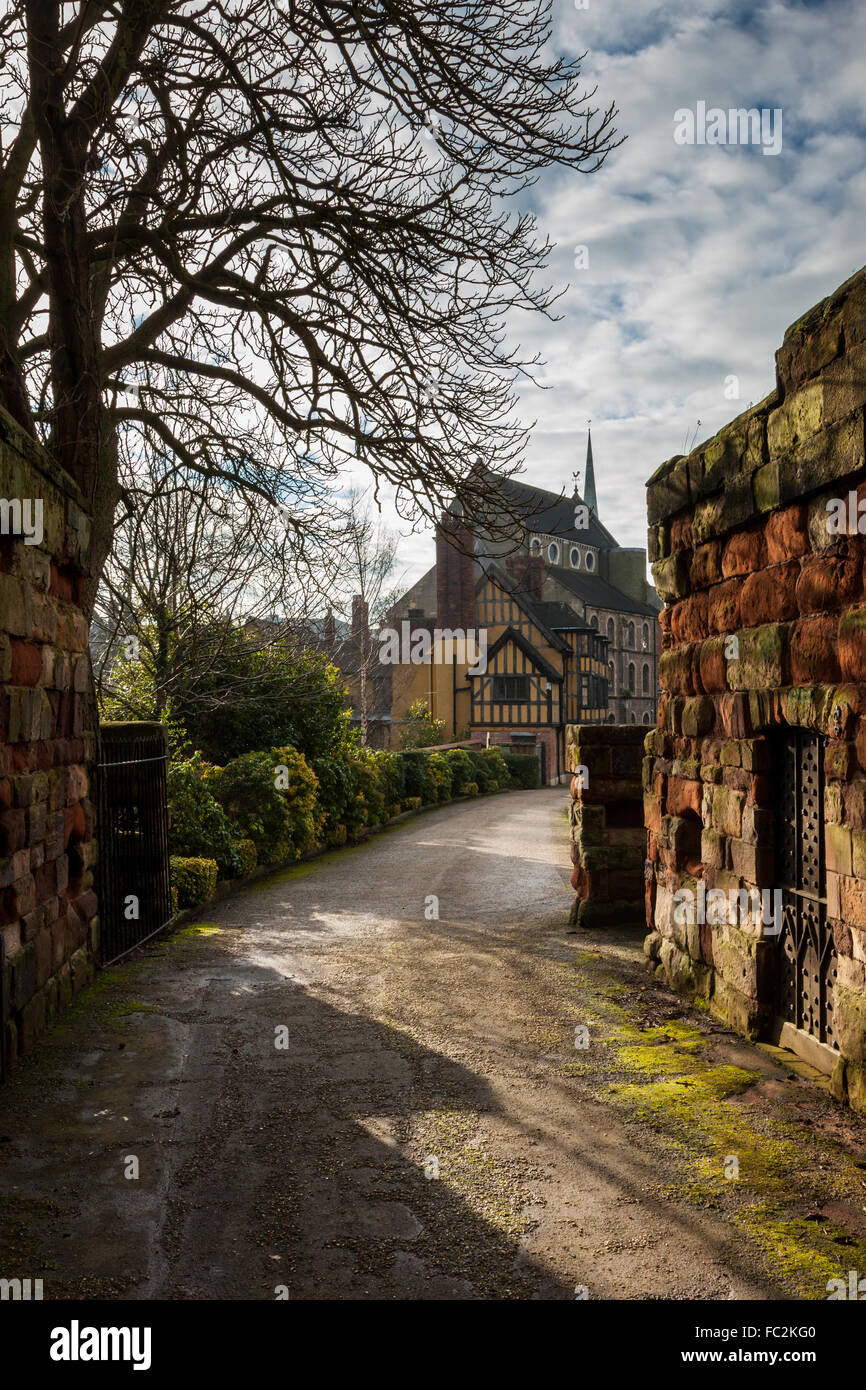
{"points": [[699, 256]]}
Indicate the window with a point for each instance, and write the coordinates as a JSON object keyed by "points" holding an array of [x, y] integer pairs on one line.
{"points": [[574, 557], [646, 637], [631, 677], [611, 718], [511, 688], [611, 675], [633, 718], [589, 560], [630, 631], [646, 718], [553, 553], [593, 622], [610, 628], [645, 679], [535, 546]]}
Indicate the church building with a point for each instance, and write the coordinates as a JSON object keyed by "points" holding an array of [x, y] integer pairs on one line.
{"points": [[562, 618]]}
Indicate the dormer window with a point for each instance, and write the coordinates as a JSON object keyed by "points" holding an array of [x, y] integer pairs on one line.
{"points": [[575, 558], [589, 560], [553, 553]]}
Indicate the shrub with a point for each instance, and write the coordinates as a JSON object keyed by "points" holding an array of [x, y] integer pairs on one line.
{"points": [[482, 769], [412, 803], [193, 880], [392, 776], [461, 770], [470, 789], [199, 825], [439, 770], [337, 790], [246, 852], [497, 766], [421, 730], [299, 787], [369, 781], [523, 769], [418, 779], [246, 789]]}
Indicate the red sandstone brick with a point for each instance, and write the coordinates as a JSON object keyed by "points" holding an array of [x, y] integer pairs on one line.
{"points": [[745, 552], [723, 612], [854, 800], [829, 582], [706, 566], [815, 650], [787, 533], [26, 663], [681, 533], [683, 796], [770, 595], [712, 668]]}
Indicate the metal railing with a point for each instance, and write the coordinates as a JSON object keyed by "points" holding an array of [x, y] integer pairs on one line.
{"points": [[132, 831]]}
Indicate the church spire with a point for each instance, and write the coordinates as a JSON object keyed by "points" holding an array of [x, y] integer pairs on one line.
{"points": [[589, 496]]}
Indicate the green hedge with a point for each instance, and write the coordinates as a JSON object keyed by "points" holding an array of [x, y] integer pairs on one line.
{"points": [[271, 806], [523, 769], [193, 880]]}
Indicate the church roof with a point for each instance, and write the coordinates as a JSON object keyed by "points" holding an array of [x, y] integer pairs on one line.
{"points": [[596, 591], [552, 514]]}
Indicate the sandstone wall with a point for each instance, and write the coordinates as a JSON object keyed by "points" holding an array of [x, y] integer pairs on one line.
{"points": [[744, 547], [606, 819], [48, 907]]}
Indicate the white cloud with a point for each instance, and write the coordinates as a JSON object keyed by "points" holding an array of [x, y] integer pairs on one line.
{"points": [[700, 256]]}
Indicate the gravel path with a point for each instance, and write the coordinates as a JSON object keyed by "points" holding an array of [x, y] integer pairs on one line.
{"points": [[429, 1130]]}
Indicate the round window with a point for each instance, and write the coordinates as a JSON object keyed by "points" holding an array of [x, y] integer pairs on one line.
{"points": [[590, 560], [553, 553], [575, 558]]}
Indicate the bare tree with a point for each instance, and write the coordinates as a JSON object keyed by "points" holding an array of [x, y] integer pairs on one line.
{"points": [[364, 595], [197, 577], [281, 222]]}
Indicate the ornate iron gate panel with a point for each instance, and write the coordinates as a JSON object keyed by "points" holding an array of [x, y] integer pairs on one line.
{"points": [[134, 886], [807, 955]]}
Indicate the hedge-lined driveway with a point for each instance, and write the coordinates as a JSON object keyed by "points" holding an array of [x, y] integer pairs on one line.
{"points": [[392, 1072]]}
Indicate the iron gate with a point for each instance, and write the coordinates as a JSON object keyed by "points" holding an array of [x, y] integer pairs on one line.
{"points": [[134, 887], [807, 955]]}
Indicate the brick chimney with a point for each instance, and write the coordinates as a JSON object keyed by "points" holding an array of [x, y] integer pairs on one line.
{"points": [[359, 619], [455, 574], [528, 571]]}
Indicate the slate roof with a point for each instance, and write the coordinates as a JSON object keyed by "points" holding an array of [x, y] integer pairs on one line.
{"points": [[552, 514], [592, 589]]}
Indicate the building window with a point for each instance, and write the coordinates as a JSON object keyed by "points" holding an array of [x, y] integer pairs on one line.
{"points": [[553, 553], [535, 546], [645, 679], [575, 558], [631, 685], [593, 622], [630, 631], [646, 637], [611, 675], [611, 718], [511, 689], [633, 718], [646, 718], [610, 628], [589, 560]]}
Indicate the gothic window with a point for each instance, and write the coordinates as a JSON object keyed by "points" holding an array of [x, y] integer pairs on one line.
{"points": [[611, 674], [593, 622], [646, 718], [631, 634], [646, 637], [631, 677], [645, 679], [610, 628], [633, 718]]}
